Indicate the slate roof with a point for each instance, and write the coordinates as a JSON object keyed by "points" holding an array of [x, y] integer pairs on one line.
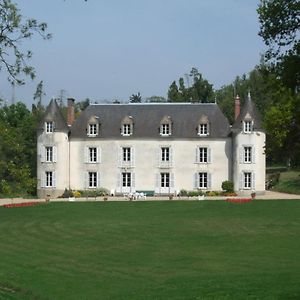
{"points": [[54, 114], [248, 108], [147, 117]]}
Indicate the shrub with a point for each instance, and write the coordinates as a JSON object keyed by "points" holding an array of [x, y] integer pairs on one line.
{"points": [[227, 186], [66, 194], [76, 194], [183, 193]]}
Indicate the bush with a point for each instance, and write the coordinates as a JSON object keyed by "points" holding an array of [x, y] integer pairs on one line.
{"points": [[183, 193], [76, 194], [227, 186], [67, 193], [95, 192]]}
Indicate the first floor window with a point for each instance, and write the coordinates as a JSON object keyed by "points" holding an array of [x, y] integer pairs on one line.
{"points": [[247, 180], [92, 179], [49, 127], [93, 154], [203, 155], [49, 154], [126, 154], [165, 154], [203, 180], [126, 179], [165, 179], [247, 154], [49, 179]]}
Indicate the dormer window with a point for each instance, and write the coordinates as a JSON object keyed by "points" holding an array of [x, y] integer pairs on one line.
{"points": [[93, 129], [49, 126], [127, 126], [203, 126], [166, 126], [247, 126]]}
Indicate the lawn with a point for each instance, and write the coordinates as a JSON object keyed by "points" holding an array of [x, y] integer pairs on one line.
{"points": [[151, 250], [289, 182]]}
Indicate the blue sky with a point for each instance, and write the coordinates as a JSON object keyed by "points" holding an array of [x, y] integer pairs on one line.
{"points": [[110, 49]]}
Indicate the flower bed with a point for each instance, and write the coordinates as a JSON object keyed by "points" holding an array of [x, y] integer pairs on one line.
{"points": [[239, 200], [20, 204]]}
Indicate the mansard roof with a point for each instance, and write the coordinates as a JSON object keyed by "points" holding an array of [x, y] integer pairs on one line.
{"points": [[147, 120], [248, 112], [53, 114]]}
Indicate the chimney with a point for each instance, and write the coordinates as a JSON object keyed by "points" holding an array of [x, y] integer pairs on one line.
{"points": [[237, 107], [71, 112]]}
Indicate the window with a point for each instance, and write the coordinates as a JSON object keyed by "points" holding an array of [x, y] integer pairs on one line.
{"points": [[203, 129], [247, 180], [49, 179], [247, 126], [93, 129], [93, 155], [126, 179], [165, 179], [126, 129], [247, 154], [126, 154], [92, 179], [165, 129], [49, 127], [203, 180], [203, 155], [165, 154], [49, 154]]}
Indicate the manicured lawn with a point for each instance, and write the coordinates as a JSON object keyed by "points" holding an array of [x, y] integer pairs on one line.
{"points": [[151, 250], [289, 182]]}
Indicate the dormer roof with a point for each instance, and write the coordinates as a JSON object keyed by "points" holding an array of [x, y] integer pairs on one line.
{"points": [[53, 114], [248, 113]]}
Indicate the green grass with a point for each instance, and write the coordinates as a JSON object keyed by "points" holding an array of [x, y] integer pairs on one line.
{"points": [[151, 250], [289, 182]]}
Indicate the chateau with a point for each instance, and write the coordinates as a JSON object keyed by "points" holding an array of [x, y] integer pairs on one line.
{"points": [[157, 147]]}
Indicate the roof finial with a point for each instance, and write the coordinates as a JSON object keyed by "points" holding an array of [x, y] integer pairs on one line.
{"points": [[249, 95]]}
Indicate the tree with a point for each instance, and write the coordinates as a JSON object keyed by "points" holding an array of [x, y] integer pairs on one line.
{"points": [[13, 30], [39, 93], [173, 93], [156, 99], [280, 28], [136, 98]]}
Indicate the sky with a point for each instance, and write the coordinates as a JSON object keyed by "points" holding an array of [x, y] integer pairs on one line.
{"points": [[110, 49]]}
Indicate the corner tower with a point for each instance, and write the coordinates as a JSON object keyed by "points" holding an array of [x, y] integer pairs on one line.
{"points": [[52, 153], [249, 160]]}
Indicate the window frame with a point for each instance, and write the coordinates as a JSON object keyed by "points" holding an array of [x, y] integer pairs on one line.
{"points": [[126, 154], [247, 180], [92, 180], [126, 179], [248, 154], [203, 180], [49, 179], [92, 154], [49, 127], [93, 129], [165, 180], [127, 129], [203, 129], [165, 129], [247, 126], [49, 157], [165, 154]]}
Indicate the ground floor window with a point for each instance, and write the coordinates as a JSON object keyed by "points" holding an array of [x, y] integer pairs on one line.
{"points": [[49, 179], [203, 180], [126, 179], [93, 179], [247, 180], [165, 179]]}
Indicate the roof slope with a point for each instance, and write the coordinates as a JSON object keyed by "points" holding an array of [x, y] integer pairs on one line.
{"points": [[147, 117], [250, 110], [53, 114]]}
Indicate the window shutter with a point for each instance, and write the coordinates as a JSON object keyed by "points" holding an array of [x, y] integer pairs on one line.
{"points": [[196, 180], [98, 179], [98, 155], [119, 180], [241, 186], [241, 154], [253, 155], [120, 156], [54, 179], [157, 183], [253, 181], [86, 154], [172, 180], [43, 180], [197, 155], [170, 156], [86, 180], [54, 154], [209, 155], [209, 180], [43, 153], [132, 158], [133, 180]]}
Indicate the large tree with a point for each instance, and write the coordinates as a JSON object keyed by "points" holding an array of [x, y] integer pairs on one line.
{"points": [[13, 30]]}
